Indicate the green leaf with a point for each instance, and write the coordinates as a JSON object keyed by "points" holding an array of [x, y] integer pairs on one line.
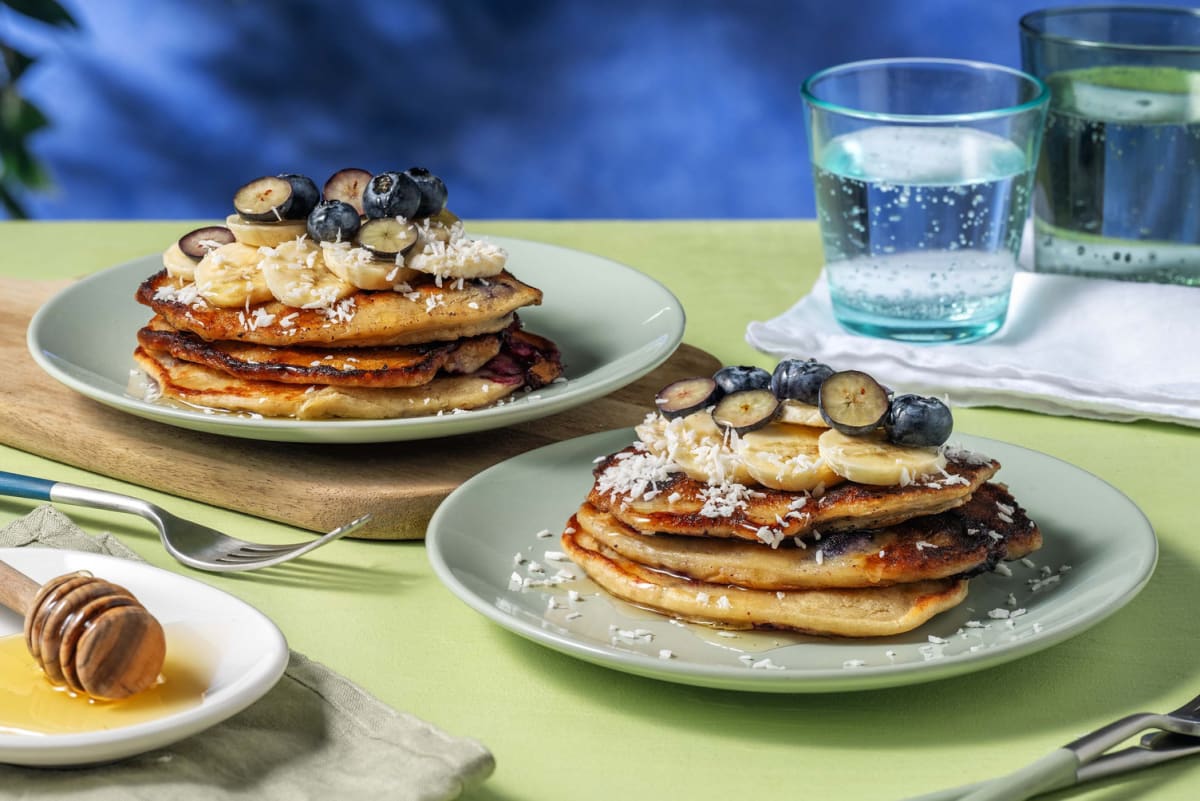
{"points": [[18, 117], [10, 203], [21, 166], [15, 62], [47, 11]]}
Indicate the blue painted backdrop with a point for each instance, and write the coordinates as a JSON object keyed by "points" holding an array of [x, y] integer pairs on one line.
{"points": [[585, 109]]}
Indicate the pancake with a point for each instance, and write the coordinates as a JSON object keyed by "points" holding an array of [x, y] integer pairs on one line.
{"points": [[861, 612], [634, 488], [395, 366], [426, 314], [972, 538], [526, 360]]}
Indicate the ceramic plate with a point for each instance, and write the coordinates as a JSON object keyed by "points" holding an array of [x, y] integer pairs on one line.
{"points": [[240, 650], [613, 324], [501, 528]]}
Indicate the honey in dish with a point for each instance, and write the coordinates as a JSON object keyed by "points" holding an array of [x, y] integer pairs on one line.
{"points": [[31, 705]]}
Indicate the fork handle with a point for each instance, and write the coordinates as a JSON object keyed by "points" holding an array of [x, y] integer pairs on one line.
{"points": [[19, 486], [42, 489]]}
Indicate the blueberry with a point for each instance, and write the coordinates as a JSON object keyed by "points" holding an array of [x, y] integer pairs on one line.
{"points": [[391, 194], [736, 379], [304, 196], [333, 221], [433, 191], [918, 421], [799, 380], [348, 185], [853, 402]]}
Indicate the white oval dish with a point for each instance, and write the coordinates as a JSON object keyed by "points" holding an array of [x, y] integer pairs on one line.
{"points": [[245, 651]]}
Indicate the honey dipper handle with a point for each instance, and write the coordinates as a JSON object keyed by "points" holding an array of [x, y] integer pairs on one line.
{"points": [[17, 590]]}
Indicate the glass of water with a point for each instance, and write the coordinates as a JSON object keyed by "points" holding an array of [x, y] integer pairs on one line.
{"points": [[1118, 186], [923, 170]]}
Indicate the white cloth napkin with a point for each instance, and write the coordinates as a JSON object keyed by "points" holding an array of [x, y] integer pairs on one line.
{"points": [[1085, 347]]}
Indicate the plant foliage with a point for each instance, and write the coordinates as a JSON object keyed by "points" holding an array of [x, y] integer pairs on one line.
{"points": [[20, 119]]}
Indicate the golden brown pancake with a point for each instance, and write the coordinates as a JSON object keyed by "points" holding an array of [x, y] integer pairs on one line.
{"points": [[680, 505], [395, 366], [972, 538], [526, 360], [428, 313], [861, 612]]}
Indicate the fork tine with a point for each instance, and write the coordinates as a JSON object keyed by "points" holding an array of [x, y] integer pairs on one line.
{"points": [[242, 558], [1189, 710], [267, 550]]}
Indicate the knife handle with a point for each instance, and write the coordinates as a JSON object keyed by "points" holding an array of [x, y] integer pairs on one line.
{"points": [[18, 486]]}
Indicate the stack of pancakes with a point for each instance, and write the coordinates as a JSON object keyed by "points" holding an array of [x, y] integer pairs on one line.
{"points": [[434, 346], [854, 560]]}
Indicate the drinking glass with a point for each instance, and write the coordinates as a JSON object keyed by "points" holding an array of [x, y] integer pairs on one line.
{"points": [[922, 170], [1118, 189]]}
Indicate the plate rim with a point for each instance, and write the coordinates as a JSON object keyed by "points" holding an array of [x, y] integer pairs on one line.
{"points": [[793, 680], [665, 343], [82, 748]]}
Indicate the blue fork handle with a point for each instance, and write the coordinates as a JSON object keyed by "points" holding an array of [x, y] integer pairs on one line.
{"points": [[18, 486], [41, 489]]}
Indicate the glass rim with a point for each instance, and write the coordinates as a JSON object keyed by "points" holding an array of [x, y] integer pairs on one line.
{"points": [[1042, 98], [1027, 25]]}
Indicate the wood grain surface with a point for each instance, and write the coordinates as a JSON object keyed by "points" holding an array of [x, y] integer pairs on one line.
{"points": [[315, 487]]}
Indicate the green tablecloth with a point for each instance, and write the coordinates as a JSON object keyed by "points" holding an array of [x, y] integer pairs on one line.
{"points": [[560, 728]]}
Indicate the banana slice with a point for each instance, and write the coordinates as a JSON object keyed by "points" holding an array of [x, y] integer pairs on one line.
{"points": [[231, 276], [703, 450], [444, 226], [458, 258], [265, 234], [801, 414], [871, 459], [297, 276], [652, 433], [179, 265], [358, 267], [786, 457]]}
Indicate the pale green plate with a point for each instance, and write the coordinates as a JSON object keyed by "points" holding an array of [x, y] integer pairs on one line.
{"points": [[612, 323], [1099, 551]]}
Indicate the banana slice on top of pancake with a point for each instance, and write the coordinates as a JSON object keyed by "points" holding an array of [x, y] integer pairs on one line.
{"points": [[298, 276], [458, 258], [871, 459], [229, 276], [179, 265], [358, 266], [264, 234], [785, 457], [700, 447]]}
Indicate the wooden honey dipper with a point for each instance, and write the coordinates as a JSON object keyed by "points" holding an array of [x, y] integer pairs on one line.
{"points": [[87, 633]]}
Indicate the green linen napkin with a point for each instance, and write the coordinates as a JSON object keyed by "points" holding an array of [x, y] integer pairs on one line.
{"points": [[314, 735]]}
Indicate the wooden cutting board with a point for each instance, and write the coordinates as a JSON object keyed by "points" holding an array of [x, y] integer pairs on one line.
{"points": [[315, 487]]}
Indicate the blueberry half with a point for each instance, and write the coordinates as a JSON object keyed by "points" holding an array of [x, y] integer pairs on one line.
{"points": [[853, 402], [347, 185]]}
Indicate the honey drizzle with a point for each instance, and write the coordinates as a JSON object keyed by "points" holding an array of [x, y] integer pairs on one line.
{"points": [[31, 705]]}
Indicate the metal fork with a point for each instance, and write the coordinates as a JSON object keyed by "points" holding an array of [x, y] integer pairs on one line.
{"points": [[192, 544], [1176, 734]]}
